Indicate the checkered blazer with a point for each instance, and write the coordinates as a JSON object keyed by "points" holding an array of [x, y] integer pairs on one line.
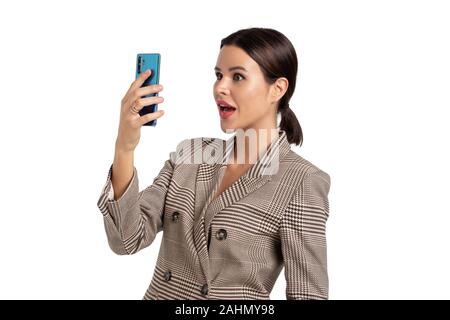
{"points": [[235, 246]]}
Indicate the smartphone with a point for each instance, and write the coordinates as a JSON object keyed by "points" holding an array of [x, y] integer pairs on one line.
{"points": [[151, 61]]}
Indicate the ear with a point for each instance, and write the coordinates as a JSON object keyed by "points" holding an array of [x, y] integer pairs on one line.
{"points": [[278, 89]]}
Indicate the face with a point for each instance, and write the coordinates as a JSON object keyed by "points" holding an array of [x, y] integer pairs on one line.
{"points": [[244, 88]]}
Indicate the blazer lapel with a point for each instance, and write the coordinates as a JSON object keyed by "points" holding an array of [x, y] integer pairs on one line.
{"points": [[208, 180], [209, 173]]}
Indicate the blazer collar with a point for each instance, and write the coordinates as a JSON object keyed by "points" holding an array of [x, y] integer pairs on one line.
{"points": [[268, 163]]}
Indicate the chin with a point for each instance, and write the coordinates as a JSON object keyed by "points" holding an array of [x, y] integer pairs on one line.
{"points": [[227, 128]]}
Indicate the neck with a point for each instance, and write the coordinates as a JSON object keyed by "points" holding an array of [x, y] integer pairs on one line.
{"points": [[251, 144]]}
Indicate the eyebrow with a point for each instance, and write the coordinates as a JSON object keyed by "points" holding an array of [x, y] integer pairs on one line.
{"points": [[231, 69]]}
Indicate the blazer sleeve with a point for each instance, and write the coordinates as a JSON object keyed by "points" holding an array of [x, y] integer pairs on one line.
{"points": [[132, 221], [303, 239]]}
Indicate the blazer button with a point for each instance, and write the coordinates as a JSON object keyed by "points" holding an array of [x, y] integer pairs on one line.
{"points": [[167, 275], [221, 234], [204, 289], [175, 216]]}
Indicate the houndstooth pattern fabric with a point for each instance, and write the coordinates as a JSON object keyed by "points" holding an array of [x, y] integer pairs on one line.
{"points": [[235, 246]]}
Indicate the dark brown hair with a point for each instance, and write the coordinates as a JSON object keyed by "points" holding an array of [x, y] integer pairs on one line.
{"points": [[276, 57]]}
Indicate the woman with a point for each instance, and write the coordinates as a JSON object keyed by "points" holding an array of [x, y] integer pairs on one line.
{"points": [[247, 207]]}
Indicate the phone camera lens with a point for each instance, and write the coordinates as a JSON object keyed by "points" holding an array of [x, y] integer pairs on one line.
{"points": [[139, 65]]}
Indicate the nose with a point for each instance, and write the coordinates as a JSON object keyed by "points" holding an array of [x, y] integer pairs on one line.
{"points": [[222, 85], [221, 90]]}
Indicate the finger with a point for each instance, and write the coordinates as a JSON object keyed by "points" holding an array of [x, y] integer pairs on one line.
{"points": [[139, 81], [143, 91], [140, 103], [150, 116]]}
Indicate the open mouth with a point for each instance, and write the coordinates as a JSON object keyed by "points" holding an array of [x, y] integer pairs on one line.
{"points": [[226, 111], [226, 108]]}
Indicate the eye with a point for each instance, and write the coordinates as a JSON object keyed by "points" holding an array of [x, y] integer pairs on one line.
{"points": [[236, 75]]}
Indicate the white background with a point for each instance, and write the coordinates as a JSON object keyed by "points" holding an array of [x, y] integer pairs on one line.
{"points": [[372, 97]]}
